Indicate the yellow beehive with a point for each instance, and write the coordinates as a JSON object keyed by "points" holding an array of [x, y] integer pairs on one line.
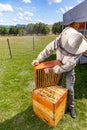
{"points": [[49, 99]]}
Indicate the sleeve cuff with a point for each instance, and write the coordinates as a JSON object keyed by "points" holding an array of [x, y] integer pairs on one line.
{"points": [[56, 69]]}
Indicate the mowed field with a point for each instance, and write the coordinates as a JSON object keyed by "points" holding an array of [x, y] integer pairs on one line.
{"points": [[17, 82]]}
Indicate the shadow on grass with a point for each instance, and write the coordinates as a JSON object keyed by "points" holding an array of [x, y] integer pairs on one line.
{"points": [[81, 81], [25, 120]]}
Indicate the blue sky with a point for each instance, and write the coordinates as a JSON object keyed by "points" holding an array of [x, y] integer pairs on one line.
{"points": [[14, 12]]}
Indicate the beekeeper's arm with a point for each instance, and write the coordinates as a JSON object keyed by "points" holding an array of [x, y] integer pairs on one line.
{"points": [[47, 51]]}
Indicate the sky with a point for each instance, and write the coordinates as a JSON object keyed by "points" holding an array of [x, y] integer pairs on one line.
{"points": [[13, 12]]}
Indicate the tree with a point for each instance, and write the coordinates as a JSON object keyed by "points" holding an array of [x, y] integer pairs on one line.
{"points": [[29, 29], [21, 32], [57, 28], [41, 28], [17, 30], [13, 30], [3, 30], [45, 30], [36, 28]]}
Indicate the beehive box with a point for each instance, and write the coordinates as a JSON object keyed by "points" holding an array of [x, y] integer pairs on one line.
{"points": [[49, 99]]}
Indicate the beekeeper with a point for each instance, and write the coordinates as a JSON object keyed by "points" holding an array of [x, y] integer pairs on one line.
{"points": [[69, 46]]}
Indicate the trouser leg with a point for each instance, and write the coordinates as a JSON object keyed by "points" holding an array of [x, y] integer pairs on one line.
{"points": [[60, 80], [70, 80]]}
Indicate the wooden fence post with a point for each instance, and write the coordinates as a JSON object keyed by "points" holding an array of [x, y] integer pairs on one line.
{"points": [[9, 47], [33, 44]]}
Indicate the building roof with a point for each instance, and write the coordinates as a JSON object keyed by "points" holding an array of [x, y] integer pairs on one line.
{"points": [[76, 14]]}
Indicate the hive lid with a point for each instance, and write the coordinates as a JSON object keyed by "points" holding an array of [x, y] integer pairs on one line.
{"points": [[47, 64], [45, 80]]}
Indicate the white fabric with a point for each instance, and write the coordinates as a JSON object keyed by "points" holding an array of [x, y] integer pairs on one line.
{"points": [[73, 41], [69, 61], [76, 14]]}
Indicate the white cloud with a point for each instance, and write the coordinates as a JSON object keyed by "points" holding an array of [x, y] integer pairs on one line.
{"points": [[23, 17], [65, 9], [39, 20], [68, 8], [27, 1], [54, 1], [28, 19], [20, 15], [27, 16], [62, 10], [1, 14], [14, 20], [5, 8], [1, 20], [79, 1], [20, 9]]}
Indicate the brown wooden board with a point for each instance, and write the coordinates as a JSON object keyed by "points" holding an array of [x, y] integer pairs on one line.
{"points": [[50, 107], [49, 100], [41, 78]]}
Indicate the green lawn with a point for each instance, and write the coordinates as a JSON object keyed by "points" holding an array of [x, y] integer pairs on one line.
{"points": [[17, 82]]}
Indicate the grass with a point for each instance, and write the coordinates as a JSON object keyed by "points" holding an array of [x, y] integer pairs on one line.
{"points": [[17, 82]]}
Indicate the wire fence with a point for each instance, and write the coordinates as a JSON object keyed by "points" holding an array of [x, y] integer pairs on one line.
{"points": [[16, 46]]}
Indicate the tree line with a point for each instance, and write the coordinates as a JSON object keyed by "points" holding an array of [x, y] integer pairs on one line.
{"points": [[30, 29]]}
